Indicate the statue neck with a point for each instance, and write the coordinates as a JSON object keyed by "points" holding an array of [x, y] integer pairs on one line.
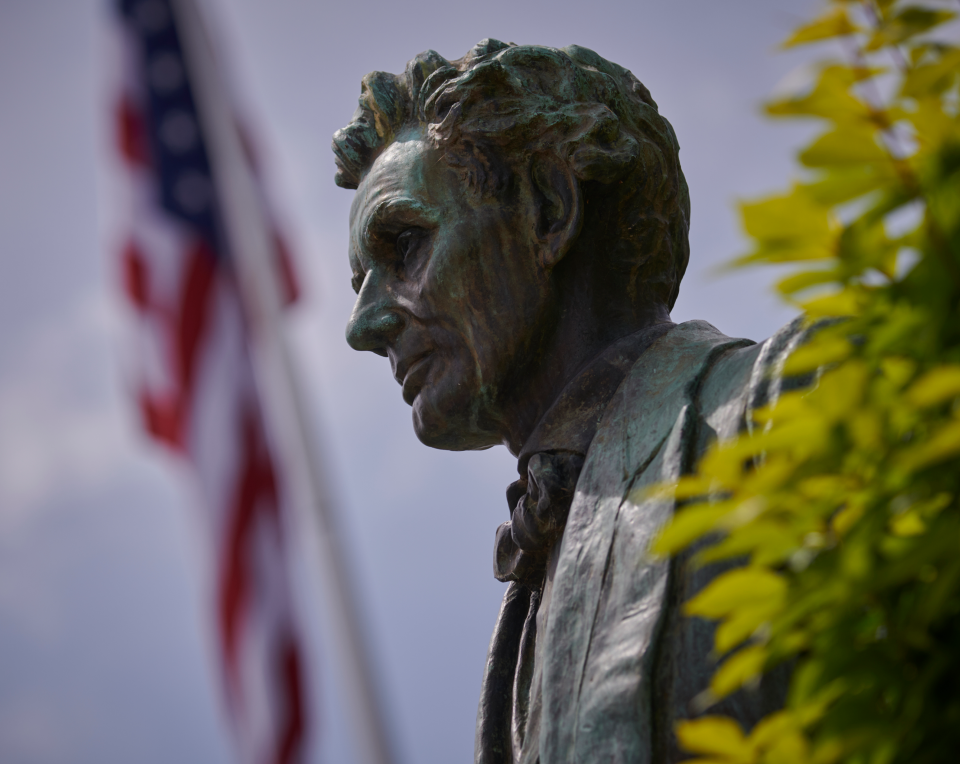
{"points": [[584, 326]]}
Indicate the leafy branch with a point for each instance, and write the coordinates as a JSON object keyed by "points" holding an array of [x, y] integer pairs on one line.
{"points": [[845, 499]]}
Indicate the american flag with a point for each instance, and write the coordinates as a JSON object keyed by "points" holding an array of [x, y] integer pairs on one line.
{"points": [[195, 381]]}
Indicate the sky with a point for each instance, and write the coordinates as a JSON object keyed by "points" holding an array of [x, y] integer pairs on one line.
{"points": [[105, 650]]}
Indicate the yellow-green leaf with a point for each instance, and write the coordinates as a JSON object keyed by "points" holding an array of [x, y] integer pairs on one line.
{"points": [[714, 735], [791, 215], [844, 147], [764, 543], [830, 98], [791, 405], [942, 445], [788, 227], [910, 22], [806, 279], [818, 353], [907, 524], [931, 78], [789, 748], [742, 624], [688, 525], [936, 386], [866, 429], [738, 669], [788, 251], [841, 389], [738, 588], [834, 23], [846, 517], [772, 727], [934, 126], [837, 305], [801, 437], [839, 184], [898, 369]]}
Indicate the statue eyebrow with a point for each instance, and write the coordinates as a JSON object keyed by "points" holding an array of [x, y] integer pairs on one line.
{"points": [[393, 214]]}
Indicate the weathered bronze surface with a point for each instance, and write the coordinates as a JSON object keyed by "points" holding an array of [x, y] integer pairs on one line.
{"points": [[517, 241]]}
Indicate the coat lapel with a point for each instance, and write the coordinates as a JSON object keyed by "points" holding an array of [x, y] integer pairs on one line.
{"points": [[607, 598]]}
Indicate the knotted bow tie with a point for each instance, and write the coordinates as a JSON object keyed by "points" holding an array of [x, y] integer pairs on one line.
{"points": [[539, 504]]}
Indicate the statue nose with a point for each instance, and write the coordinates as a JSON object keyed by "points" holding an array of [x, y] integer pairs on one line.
{"points": [[376, 321]]}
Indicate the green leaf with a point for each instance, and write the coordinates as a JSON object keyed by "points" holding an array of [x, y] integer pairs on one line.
{"points": [[788, 227], [743, 624], [714, 735], [792, 215], [844, 147], [806, 279], [788, 748], [764, 543], [840, 392], [933, 125], [802, 437], [820, 352], [689, 524], [932, 78], [839, 184], [864, 244], [738, 588], [898, 370], [908, 23], [771, 728], [936, 386], [907, 524], [738, 669], [944, 444], [833, 23], [830, 98], [847, 302]]}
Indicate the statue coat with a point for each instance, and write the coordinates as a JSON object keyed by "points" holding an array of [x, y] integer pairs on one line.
{"points": [[602, 670]]}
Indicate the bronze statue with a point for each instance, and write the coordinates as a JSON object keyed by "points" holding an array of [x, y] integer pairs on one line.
{"points": [[517, 241]]}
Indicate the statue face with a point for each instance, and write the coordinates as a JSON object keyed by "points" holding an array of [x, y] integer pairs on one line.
{"points": [[449, 289]]}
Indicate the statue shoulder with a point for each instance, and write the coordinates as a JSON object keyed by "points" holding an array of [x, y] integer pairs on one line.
{"points": [[744, 379], [696, 374], [660, 393]]}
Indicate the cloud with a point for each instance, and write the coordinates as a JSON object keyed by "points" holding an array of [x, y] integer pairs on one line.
{"points": [[38, 728], [63, 423]]}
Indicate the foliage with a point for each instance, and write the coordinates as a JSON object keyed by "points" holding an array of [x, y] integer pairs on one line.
{"points": [[845, 499]]}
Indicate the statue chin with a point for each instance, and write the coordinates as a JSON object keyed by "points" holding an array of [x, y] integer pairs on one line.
{"points": [[447, 419]]}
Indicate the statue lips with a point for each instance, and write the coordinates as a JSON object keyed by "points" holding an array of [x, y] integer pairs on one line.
{"points": [[412, 374]]}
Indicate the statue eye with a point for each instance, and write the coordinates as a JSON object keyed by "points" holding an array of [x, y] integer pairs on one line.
{"points": [[357, 281], [407, 242]]}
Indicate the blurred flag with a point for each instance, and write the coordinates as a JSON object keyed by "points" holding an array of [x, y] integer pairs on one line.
{"points": [[197, 387]]}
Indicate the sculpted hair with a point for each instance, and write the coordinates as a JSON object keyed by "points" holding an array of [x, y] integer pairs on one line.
{"points": [[503, 101]]}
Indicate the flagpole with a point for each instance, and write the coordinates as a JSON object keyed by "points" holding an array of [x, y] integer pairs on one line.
{"points": [[252, 252]]}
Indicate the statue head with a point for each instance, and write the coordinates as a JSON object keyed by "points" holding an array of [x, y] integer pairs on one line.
{"points": [[516, 211]]}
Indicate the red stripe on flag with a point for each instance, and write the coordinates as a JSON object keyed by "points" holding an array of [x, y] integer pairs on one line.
{"points": [[288, 275], [162, 419], [291, 733], [131, 133], [193, 310], [256, 498], [135, 277], [256, 492]]}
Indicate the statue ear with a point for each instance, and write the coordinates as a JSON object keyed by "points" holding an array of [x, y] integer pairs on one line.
{"points": [[559, 204]]}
